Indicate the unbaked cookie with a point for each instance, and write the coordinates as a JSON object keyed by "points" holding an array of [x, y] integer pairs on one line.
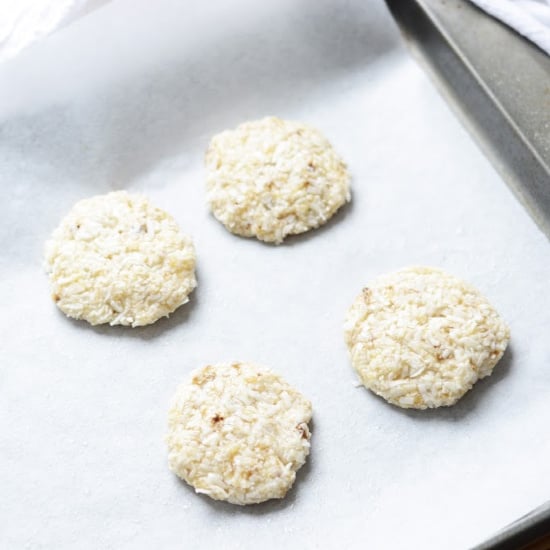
{"points": [[238, 432], [421, 338], [117, 259], [271, 178]]}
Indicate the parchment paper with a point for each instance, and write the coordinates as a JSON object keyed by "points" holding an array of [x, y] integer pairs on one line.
{"points": [[128, 97]]}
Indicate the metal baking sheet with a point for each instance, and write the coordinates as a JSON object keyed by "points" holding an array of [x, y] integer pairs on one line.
{"points": [[127, 98]]}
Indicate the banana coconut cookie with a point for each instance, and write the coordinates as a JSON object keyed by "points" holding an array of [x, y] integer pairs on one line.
{"points": [[271, 178], [421, 338], [238, 432], [117, 259]]}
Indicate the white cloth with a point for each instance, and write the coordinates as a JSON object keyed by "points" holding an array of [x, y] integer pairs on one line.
{"points": [[22, 22], [531, 18]]}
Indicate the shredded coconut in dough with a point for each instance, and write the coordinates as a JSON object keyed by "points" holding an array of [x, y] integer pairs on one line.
{"points": [[421, 338], [117, 259], [271, 178], [238, 432]]}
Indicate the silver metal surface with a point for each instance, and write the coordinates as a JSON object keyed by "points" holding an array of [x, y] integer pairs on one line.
{"points": [[526, 530], [498, 83]]}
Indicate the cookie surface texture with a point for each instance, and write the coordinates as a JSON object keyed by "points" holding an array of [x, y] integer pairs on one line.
{"points": [[117, 259], [420, 338], [271, 178], [238, 432]]}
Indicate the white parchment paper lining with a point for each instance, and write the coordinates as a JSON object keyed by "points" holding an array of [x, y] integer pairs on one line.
{"points": [[128, 98]]}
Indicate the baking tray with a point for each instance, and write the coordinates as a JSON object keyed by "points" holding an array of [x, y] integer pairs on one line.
{"points": [[530, 532], [128, 97]]}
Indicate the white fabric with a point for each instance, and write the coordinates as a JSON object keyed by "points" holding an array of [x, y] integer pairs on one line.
{"points": [[531, 18], [22, 22]]}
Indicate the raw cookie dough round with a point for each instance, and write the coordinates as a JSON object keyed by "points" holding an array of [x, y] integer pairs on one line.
{"points": [[271, 178], [421, 338], [238, 432], [117, 259]]}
